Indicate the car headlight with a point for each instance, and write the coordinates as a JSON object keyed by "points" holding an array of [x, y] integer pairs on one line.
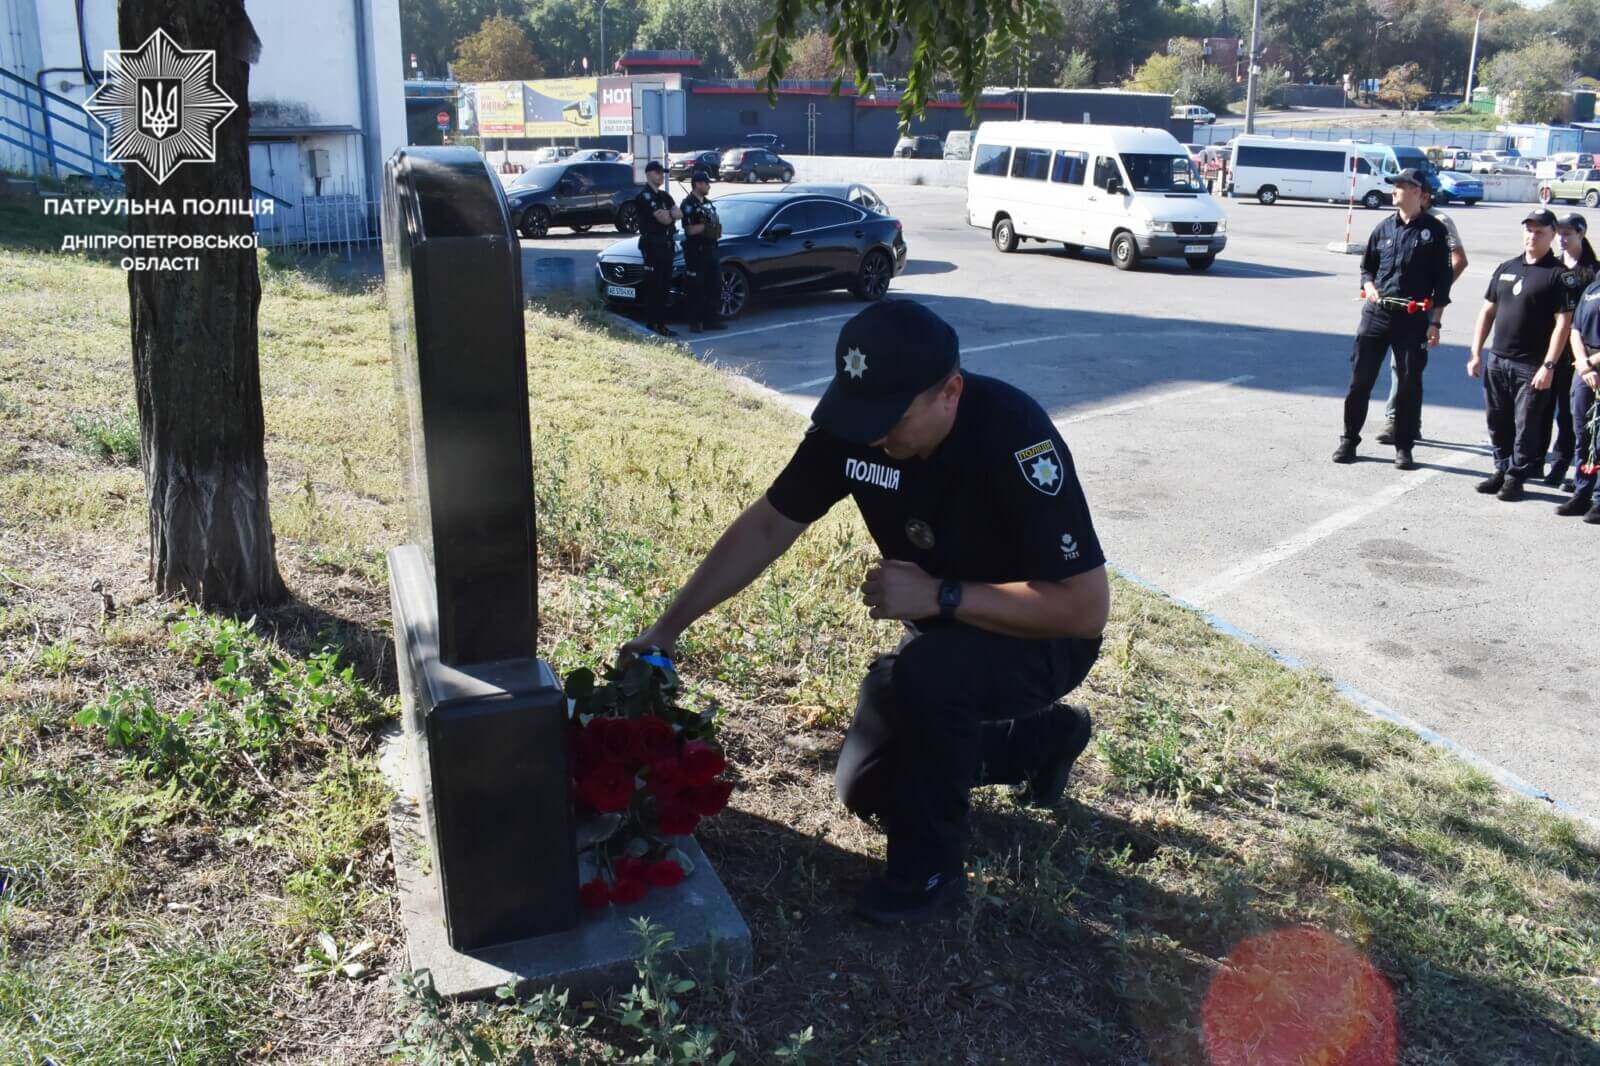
{"points": [[1160, 227], [1222, 226]]}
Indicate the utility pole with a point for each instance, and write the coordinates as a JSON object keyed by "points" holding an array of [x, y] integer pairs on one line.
{"points": [[1472, 63], [1255, 65], [600, 70]]}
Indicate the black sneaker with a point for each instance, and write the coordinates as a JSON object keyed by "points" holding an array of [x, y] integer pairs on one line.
{"points": [[1557, 474], [662, 330], [714, 326], [1045, 785], [1345, 452], [1573, 506], [1403, 460], [1491, 484], [887, 901], [1511, 491], [1593, 517], [1387, 436]]}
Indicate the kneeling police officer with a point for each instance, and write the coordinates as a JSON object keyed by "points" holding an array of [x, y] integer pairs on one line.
{"points": [[988, 555]]}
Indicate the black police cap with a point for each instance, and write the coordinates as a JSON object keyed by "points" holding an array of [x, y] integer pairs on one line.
{"points": [[700, 175], [653, 165], [885, 357], [1410, 176], [1540, 216]]}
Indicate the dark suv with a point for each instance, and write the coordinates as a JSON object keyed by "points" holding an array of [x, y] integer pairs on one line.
{"points": [[578, 195], [754, 164]]}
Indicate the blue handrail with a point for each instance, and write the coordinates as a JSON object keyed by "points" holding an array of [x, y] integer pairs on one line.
{"points": [[37, 101]]}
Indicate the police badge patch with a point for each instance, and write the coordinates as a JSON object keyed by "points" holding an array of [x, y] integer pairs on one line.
{"points": [[1041, 466], [920, 534]]}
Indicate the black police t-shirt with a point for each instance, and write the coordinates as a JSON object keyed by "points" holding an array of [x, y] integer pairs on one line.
{"points": [[650, 201], [998, 501], [1527, 298], [698, 212], [1586, 320]]}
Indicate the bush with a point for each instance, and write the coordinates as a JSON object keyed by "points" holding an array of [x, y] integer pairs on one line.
{"points": [[1210, 87]]}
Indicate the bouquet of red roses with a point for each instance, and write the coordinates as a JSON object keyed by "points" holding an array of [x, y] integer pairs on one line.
{"points": [[644, 770]]}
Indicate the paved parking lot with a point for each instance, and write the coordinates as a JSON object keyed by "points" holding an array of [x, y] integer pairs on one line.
{"points": [[1201, 410]]}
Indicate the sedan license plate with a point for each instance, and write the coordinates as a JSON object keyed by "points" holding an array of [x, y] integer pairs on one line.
{"points": [[620, 290], [1196, 249]]}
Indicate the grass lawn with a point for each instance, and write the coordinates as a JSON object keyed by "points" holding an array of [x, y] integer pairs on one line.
{"points": [[1243, 849]]}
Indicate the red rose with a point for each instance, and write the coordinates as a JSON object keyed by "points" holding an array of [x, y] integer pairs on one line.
{"points": [[664, 874], [628, 891], [666, 777], [709, 798], [676, 819], [702, 762], [614, 738], [607, 787], [595, 894], [585, 750], [653, 739], [629, 869]]}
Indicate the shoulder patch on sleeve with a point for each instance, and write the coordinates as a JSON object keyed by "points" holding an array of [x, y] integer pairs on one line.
{"points": [[1041, 466], [1571, 279]]}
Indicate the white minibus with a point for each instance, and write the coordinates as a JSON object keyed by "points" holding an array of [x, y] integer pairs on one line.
{"points": [[1130, 190], [1280, 168]]}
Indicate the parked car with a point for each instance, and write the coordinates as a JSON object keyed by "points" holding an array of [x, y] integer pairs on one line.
{"points": [[1557, 165], [1572, 187], [1447, 184], [576, 195], [754, 164], [774, 241], [1499, 162], [921, 146], [958, 144], [595, 155], [1195, 113], [552, 154], [680, 167], [1439, 102], [769, 141], [854, 192]]}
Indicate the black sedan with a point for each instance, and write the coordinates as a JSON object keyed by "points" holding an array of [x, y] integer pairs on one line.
{"points": [[774, 242], [683, 166]]}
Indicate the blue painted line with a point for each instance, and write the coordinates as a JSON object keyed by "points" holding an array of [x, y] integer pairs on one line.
{"points": [[1375, 708]]}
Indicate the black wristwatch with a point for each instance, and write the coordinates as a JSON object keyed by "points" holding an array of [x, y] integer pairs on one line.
{"points": [[949, 598], [1548, 365]]}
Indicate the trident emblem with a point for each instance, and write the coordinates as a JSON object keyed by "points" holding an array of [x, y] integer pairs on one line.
{"points": [[160, 106]]}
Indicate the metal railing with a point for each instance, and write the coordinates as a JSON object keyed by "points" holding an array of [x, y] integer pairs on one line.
{"points": [[1472, 140], [337, 222], [35, 121]]}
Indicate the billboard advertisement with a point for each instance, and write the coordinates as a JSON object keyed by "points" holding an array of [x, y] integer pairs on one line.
{"points": [[500, 108], [616, 101], [560, 107]]}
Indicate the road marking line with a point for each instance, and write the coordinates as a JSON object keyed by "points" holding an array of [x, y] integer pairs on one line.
{"points": [[1151, 401], [1237, 575], [768, 329], [1028, 340]]}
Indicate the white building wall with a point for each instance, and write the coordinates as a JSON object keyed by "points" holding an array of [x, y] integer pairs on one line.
{"points": [[388, 75], [307, 72]]}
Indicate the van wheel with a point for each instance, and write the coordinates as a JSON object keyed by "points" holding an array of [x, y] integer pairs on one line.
{"points": [[1373, 200], [1200, 263], [1005, 235], [1071, 249], [1267, 194], [1124, 251]]}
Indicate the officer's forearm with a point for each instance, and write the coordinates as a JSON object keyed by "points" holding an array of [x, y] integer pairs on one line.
{"points": [[1039, 610], [1480, 332], [750, 545]]}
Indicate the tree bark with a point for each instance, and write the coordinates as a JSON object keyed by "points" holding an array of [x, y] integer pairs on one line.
{"points": [[195, 357]]}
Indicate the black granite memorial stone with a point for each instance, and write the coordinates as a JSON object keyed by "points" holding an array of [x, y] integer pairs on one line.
{"points": [[486, 718]]}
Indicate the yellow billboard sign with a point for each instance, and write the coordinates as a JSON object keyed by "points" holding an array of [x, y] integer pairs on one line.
{"points": [[561, 107], [500, 110]]}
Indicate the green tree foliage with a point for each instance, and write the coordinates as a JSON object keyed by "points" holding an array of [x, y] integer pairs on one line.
{"points": [[499, 51], [1269, 86], [1534, 78], [1076, 71], [725, 34], [432, 28], [1402, 86], [1209, 87], [1158, 74]]}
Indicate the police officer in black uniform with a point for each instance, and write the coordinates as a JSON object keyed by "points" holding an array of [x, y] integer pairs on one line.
{"points": [[1529, 304], [989, 556], [702, 268], [1405, 281], [658, 216]]}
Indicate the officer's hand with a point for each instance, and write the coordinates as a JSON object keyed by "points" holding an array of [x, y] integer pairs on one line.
{"points": [[900, 590], [649, 639], [1543, 378], [1433, 335], [1472, 366], [662, 216], [1591, 378], [1370, 292]]}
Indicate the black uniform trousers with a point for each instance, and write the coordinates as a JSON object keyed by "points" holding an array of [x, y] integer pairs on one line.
{"points": [[954, 707], [1585, 430], [1518, 416], [657, 251], [1380, 331], [703, 283], [1566, 440]]}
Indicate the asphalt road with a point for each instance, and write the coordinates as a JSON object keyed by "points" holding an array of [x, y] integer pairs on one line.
{"points": [[1201, 410]]}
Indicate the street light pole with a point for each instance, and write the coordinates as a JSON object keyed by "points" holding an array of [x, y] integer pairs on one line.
{"points": [[1255, 65], [1472, 62], [600, 72]]}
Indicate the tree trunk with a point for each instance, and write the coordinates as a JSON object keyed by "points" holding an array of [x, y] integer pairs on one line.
{"points": [[194, 344]]}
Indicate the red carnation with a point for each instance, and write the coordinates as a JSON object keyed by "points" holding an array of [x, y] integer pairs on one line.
{"points": [[628, 891], [709, 798], [702, 762], [606, 787], [653, 739], [596, 894], [676, 819], [629, 869], [664, 874]]}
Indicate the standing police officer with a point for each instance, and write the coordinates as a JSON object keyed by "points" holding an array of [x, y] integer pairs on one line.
{"points": [[703, 270], [1585, 408], [1529, 304], [988, 554], [1405, 281], [657, 214]]}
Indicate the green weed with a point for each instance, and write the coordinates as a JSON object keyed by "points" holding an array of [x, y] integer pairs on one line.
{"points": [[113, 438]]}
